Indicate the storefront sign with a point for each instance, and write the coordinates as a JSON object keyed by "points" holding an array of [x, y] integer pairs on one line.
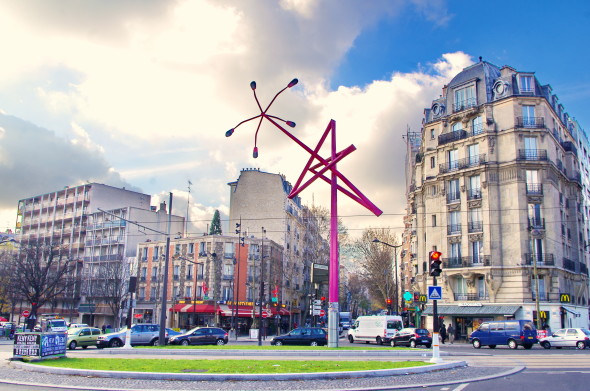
{"points": [[470, 305]]}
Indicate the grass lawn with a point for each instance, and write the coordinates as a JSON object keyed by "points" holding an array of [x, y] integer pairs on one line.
{"points": [[263, 347], [224, 366]]}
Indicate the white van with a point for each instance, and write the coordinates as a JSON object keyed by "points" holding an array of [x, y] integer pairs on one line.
{"points": [[379, 329]]}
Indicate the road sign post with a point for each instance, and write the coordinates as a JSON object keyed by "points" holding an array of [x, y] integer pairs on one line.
{"points": [[26, 313]]}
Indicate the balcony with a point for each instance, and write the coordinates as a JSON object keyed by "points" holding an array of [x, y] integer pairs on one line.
{"points": [[568, 146], [532, 154], [475, 226], [464, 104], [228, 277], [542, 259], [457, 262], [200, 277], [530, 122], [176, 277], [534, 188], [453, 196], [455, 165], [471, 296], [446, 138], [536, 223], [228, 255], [154, 278], [570, 265], [454, 229], [474, 194], [189, 277]]}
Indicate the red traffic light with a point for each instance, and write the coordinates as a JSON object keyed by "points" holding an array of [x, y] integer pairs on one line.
{"points": [[322, 298], [388, 301], [435, 255]]}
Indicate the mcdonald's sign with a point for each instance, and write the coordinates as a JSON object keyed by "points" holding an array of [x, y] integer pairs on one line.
{"points": [[565, 298], [543, 315], [422, 298]]}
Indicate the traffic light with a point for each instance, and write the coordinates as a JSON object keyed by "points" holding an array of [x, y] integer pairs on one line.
{"points": [[323, 299], [388, 302], [435, 263]]}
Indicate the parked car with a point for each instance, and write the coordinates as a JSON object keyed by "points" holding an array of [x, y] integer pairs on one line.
{"points": [[201, 336], [513, 333], [82, 336], [378, 328], [141, 334], [172, 333], [579, 338], [412, 337], [313, 336]]}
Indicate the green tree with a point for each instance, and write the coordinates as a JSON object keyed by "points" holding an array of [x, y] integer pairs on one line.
{"points": [[215, 228]]}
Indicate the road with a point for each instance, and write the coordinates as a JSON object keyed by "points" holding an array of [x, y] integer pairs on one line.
{"points": [[545, 370]]}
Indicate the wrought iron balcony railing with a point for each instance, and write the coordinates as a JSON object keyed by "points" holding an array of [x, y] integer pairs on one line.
{"points": [[542, 259], [468, 162], [530, 122], [532, 154]]}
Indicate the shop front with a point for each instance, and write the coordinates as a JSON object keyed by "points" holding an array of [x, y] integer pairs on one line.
{"points": [[466, 317]]}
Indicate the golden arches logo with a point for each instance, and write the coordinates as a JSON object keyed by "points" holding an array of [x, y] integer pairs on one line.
{"points": [[565, 298]]}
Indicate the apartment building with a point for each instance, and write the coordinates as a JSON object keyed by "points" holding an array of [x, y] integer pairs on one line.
{"points": [[496, 187], [212, 280], [259, 199]]}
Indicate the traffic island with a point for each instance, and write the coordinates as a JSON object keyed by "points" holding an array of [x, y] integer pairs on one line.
{"points": [[240, 377]]}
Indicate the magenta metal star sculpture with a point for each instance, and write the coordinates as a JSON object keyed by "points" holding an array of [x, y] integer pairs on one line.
{"points": [[318, 171]]}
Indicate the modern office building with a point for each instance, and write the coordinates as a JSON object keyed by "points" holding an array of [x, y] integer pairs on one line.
{"points": [[496, 187]]}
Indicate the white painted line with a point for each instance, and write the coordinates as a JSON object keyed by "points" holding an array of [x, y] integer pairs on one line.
{"points": [[461, 386]]}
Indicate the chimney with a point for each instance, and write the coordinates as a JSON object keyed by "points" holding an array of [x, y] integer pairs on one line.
{"points": [[163, 207]]}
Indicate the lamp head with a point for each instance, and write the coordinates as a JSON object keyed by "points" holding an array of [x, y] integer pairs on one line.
{"points": [[253, 85], [293, 83], [291, 124], [229, 132], [255, 152]]}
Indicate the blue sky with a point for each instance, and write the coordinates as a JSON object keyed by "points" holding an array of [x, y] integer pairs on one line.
{"points": [[141, 96]]}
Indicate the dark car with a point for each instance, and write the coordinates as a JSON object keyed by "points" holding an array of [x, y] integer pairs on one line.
{"points": [[412, 337], [201, 336], [313, 336]]}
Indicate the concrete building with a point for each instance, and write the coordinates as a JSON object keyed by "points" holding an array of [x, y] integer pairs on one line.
{"points": [[213, 280], [259, 199], [109, 256], [496, 187], [72, 217]]}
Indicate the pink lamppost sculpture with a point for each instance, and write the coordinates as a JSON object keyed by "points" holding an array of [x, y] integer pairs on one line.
{"points": [[318, 170]]}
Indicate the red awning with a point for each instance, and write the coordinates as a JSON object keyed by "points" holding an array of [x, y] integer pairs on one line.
{"points": [[200, 308], [243, 311]]}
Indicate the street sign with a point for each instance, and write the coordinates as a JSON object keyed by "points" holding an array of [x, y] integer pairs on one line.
{"points": [[138, 316], [265, 314], [434, 292], [26, 313], [316, 312], [317, 302], [322, 313]]}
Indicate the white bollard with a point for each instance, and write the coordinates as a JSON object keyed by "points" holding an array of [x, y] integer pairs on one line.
{"points": [[435, 349], [128, 339]]}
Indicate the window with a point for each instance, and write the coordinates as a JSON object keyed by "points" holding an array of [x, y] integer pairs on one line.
{"points": [[154, 272], [453, 190], [481, 288], [226, 293], [526, 84], [156, 252], [474, 191], [189, 272], [434, 220], [528, 116], [457, 127], [530, 148], [455, 253], [473, 153], [176, 249], [453, 157], [175, 292], [536, 248], [476, 250], [202, 248], [191, 248], [176, 272], [187, 291], [153, 293], [475, 220], [228, 270], [465, 98], [460, 285], [454, 222], [432, 134], [541, 288], [476, 126], [535, 216], [229, 250], [432, 162], [143, 272]]}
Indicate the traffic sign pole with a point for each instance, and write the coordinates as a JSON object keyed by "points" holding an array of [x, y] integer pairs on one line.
{"points": [[435, 338]]}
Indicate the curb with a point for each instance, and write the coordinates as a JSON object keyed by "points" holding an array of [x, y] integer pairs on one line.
{"points": [[238, 376]]}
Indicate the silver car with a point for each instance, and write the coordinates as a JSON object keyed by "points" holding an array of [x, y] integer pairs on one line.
{"points": [[141, 334], [578, 338]]}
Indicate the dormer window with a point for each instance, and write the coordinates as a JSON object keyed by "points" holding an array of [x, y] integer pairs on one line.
{"points": [[465, 98], [526, 84]]}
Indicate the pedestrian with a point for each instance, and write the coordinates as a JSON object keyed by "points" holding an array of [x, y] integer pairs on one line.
{"points": [[104, 327], [443, 332], [451, 333]]}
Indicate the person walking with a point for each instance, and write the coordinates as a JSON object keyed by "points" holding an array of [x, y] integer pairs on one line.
{"points": [[443, 332], [451, 333]]}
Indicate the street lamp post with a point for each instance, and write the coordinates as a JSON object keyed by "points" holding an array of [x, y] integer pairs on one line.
{"points": [[395, 266], [261, 293]]}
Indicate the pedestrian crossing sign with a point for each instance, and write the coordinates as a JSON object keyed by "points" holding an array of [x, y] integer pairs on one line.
{"points": [[434, 293]]}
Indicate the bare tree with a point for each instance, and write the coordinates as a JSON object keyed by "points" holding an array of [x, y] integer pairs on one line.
{"points": [[113, 287], [40, 273], [376, 261]]}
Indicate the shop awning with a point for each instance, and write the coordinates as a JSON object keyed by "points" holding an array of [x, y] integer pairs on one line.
{"points": [[243, 311], [201, 308], [458, 310], [571, 311]]}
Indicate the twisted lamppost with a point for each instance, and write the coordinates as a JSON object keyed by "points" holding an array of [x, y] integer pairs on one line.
{"points": [[318, 170]]}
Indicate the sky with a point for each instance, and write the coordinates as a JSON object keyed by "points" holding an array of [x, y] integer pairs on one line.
{"points": [[139, 93]]}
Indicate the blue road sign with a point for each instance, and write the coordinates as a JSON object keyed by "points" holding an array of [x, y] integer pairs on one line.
{"points": [[434, 292]]}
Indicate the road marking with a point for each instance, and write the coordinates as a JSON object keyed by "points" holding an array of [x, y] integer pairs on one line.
{"points": [[461, 386]]}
